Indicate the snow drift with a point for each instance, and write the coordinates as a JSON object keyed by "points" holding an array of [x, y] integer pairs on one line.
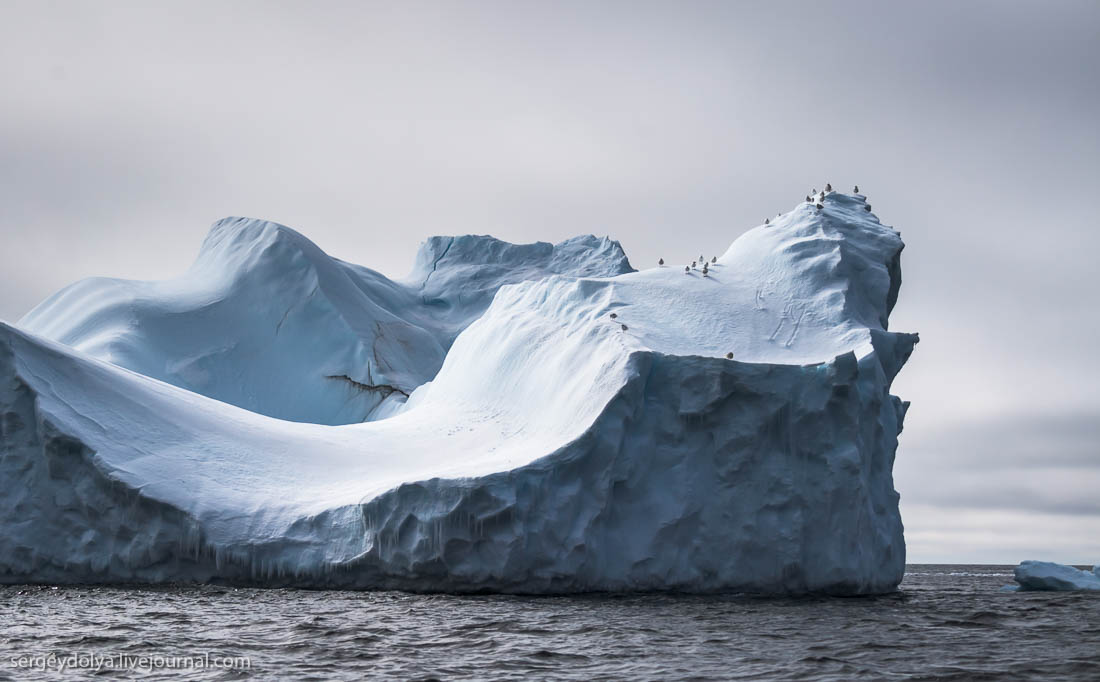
{"points": [[555, 450], [267, 321]]}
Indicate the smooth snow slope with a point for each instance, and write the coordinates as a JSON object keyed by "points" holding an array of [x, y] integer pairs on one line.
{"points": [[267, 321], [553, 452]]}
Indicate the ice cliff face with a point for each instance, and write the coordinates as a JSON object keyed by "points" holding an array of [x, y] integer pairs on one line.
{"points": [[554, 450], [267, 321]]}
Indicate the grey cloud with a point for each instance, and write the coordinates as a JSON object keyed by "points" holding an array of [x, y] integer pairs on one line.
{"points": [[1024, 441], [969, 493], [1022, 463]]}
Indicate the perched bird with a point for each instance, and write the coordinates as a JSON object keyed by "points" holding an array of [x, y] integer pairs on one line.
{"points": [[855, 189], [819, 207], [808, 199], [686, 269], [714, 259], [729, 356], [692, 265], [613, 316], [625, 327], [702, 257], [660, 261], [828, 187], [767, 221], [813, 191], [867, 207]]}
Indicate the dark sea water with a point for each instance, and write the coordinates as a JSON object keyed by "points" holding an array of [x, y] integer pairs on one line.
{"points": [[946, 623]]}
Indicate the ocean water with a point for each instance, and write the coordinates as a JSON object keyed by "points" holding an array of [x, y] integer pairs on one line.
{"points": [[945, 623]]}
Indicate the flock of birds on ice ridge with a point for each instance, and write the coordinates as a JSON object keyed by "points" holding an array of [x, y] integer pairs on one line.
{"points": [[814, 197]]}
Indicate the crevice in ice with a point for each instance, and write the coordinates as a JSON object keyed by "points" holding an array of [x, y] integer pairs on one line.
{"points": [[435, 263], [385, 390]]}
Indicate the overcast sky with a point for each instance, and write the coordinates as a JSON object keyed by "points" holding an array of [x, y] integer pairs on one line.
{"points": [[974, 127]]}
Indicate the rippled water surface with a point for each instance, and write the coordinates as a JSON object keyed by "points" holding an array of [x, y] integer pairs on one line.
{"points": [[946, 623]]}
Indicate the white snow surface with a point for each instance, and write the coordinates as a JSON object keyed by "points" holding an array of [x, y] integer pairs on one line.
{"points": [[1046, 575], [553, 451], [267, 321]]}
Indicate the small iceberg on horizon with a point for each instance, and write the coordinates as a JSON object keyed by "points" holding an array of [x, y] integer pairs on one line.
{"points": [[1046, 575]]}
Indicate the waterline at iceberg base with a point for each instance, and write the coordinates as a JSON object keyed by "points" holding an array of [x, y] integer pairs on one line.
{"points": [[511, 436]]}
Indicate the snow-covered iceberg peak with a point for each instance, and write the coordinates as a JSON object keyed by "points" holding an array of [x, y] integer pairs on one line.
{"points": [[671, 429], [267, 321], [458, 276], [584, 256]]}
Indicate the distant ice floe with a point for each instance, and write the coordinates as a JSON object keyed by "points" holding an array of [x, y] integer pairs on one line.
{"points": [[1049, 576]]}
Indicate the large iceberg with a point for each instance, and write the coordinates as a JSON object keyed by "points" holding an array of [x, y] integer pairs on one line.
{"points": [[545, 445]]}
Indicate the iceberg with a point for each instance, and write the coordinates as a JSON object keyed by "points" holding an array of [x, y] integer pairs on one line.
{"points": [[570, 424], [1046, 575]]}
